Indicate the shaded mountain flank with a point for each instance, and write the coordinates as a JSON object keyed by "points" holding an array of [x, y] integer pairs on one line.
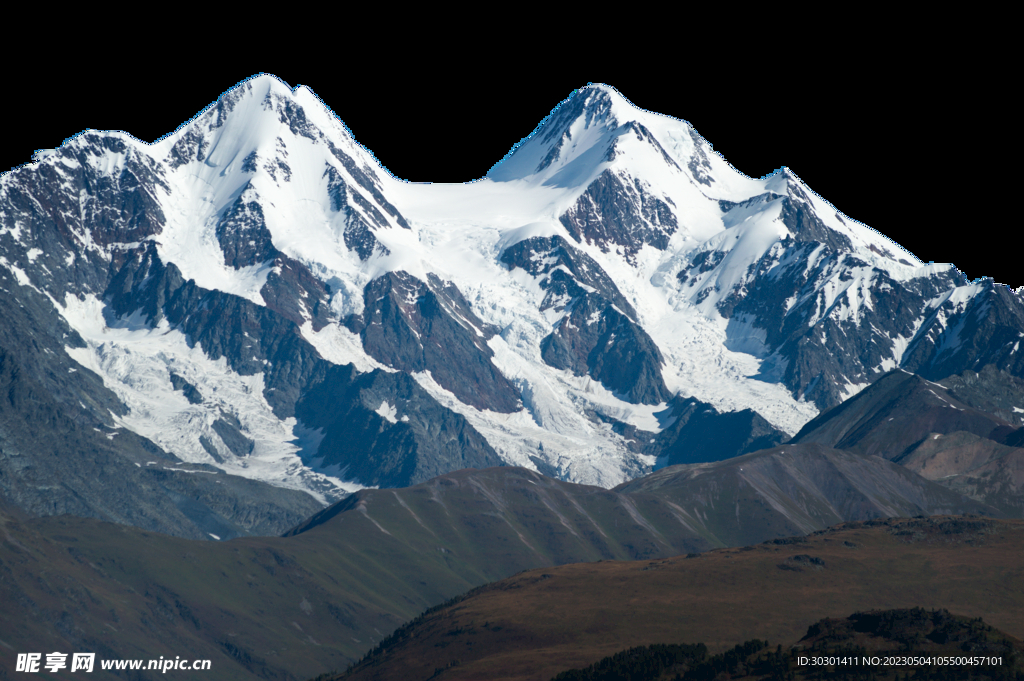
{"points": [[384, 430], [414, 326], [696, 432], [599, 334], [62, 449], [973, 446]]}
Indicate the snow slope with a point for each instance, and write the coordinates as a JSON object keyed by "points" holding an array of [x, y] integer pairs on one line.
{"points": [[320, 191]]}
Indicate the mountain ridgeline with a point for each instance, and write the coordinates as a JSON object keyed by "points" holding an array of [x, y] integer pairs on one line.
{"points": [[250, 319]]}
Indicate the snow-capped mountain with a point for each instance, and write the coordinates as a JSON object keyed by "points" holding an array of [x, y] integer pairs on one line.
{"points": [[258, 295]]}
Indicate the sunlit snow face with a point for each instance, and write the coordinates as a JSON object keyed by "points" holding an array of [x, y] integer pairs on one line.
{"points": [[288, 153]]}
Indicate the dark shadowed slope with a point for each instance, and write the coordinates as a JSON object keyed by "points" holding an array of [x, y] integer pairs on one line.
{"points": [[964, 433], [895, 414]]}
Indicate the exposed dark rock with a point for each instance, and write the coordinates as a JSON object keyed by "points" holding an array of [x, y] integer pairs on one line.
{"points": [[701, 262], [191, 147], [358, 234], [192, 393], [253, 338], [229, 430], [243, 234], [699, 433], [615, 213], [249, 162], [416, 439], [820, 345], [599, 335], [566, 272], [211, 449], [415, 326], [1015, 438], [292, 291], [594, 107], [257, 339], [341, 194], [816, 346], [597, 339], [986, 330], [699, 165], [369, 182], [642, 134], [73, 214], [799, 217], [696, 432], [636, 439], [226, 104], [991, 390], [62, 452], [295, 116]]}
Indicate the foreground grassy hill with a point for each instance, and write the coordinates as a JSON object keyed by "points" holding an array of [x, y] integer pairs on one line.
{"points": [[541, 622], [292, 607]]}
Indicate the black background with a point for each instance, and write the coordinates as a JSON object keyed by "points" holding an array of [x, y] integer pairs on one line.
{"points": [[914, 148]]}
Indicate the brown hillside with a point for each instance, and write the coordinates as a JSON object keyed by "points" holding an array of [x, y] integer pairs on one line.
{"points": [[540, 622]]}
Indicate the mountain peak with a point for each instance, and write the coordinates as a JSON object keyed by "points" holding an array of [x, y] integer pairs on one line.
{"points": [[574, 139]]}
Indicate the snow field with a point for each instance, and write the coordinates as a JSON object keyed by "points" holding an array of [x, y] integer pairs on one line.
{"points": [[135, 362], [458, 233]]}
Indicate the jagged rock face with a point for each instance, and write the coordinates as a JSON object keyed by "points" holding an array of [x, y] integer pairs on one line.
{"points": [[358, 233], [566, 273], [599, 334], [616, 214], [698, 433], [60, 222], [699, 164], [415, 326], [827, 317], [84, 224], [592, 110], [290, 288], [337, 399], [369, 183], [991, 390], [62, 449], [384, 430], [296, 294], [190, 392], [798, 215], [816, 341], [253, 339], [243, 234], [987, 329], [595, 338]]}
